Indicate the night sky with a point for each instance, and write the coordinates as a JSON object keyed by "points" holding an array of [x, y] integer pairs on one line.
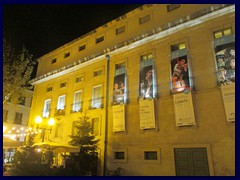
{"points": [[42, 28]]}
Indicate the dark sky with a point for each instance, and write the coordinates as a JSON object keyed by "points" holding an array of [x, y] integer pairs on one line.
{"points": [[43, 28]]}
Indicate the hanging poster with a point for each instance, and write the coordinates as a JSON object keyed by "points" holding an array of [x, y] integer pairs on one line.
{"points": [[118, 118], [147, 114], [225, 60], [146, 82], [180, 74], [183, 107], [228, 95]]}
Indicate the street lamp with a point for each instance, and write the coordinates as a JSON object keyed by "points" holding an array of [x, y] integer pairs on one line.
{"points": [[44, 127]]}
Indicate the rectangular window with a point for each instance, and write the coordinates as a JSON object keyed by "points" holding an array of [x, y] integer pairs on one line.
{"points": [[97, 97], [150, 155], [120, 30], [79, 79], [172, 7], [64, 84], [5, 115], [21, 100], [221, 33], [54, 61], [49, 89], [77, 103], [119, 155], [177, 47], [100, 39], [95, 126], [97, 73], [46, 110], [81, 48], [58, 130], [61, 102], [66, 54], [144, 19], [18, 118]]}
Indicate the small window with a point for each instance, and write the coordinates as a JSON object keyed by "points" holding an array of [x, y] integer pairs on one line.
{"points": [[97, 73], [150, 155], [79, 79], [178, 47], [120, 30], [64, 84], [66, 54], [119, 155], [54, 61], [144, 19], [49, 89], [147, 57], [172, 7], [21, 100], [100, 39], [81, 48], [18, 118], [221, 33]]}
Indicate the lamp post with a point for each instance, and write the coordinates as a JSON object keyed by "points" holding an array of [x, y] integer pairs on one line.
{"points": [[44, 127]]}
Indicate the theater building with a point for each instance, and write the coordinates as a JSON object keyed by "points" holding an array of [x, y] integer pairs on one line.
{"points": [[158, 84]]}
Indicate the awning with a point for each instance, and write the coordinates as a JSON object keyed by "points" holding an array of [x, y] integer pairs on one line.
{"points": [[10, 143], [56, 147]]}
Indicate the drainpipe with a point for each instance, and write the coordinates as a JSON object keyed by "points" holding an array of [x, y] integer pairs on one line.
{"points": [[106, 115]]}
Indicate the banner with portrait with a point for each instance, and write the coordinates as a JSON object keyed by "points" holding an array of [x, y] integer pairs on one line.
{"points": [[180, 80], [228, 95], [118, 118], [225, 59], [147, 114], [184, 111], [119, 86]]}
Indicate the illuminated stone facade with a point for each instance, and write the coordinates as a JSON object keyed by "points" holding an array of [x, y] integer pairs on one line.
{"points": [[79, 77]]}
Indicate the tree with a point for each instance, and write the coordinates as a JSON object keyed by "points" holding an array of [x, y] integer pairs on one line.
{"points": [[17, 71], [86, 160]]}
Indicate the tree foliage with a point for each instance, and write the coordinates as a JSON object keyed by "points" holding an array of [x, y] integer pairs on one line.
{"points": [[17, 70], [85, 161]]}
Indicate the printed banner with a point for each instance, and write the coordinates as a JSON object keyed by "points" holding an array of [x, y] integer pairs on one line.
{"points": [[118, 118], [228, 95], [119, 89], [225, 61], [147, 114], [146, 82], [180, 74], [183, 107]]}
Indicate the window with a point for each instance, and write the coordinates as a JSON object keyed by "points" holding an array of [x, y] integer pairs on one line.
{"points": [[79, 79], [100, 39], [61, 102], [66, 54], [77, 103], [81, 48], [95, 126], [172, 7], [58, 130], [64, 84], [178, 46], [150, 155], [18, 118], [49, 89], [144, 19], [5, 115], [21, 100], [46, 110], [120, 30], [54, 61], [97, 97], [221, 33], [119, 155], [97, 73]]}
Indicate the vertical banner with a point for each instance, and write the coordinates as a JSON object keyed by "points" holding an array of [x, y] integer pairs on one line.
{"points": [[147, 114], [146, 82], [118, 118], [228, 95], [180, 74], [225, 59], [183, 107]]}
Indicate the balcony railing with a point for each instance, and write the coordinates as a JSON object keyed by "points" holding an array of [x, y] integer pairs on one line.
{"points": [[76, 107], [59, 112], [96, 103]]}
